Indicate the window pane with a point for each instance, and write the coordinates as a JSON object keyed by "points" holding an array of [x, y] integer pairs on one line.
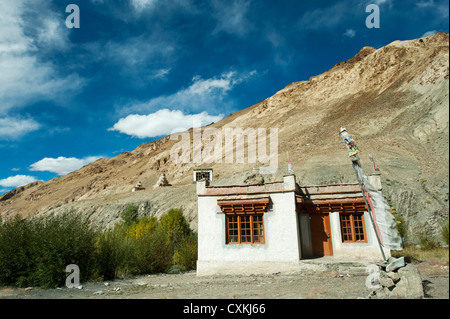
{"points": [[352, 227], [232, 229], [258, 229], [245, 229]]}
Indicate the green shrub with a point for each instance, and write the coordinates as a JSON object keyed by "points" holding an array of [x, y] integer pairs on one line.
{"points": [[402, 228], [130, 214], [142, 226], [152, 253], [444, 232], [16, 255], [113, 253], [60, 241], [35, 252], [426, 242], [175, 225], [185, 255]]}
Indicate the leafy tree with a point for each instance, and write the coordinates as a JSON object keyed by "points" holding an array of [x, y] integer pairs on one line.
{"points": [[175, 225]]}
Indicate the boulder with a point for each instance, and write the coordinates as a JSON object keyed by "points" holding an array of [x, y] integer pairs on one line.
{"points": [[410, 284], [254, 179]]}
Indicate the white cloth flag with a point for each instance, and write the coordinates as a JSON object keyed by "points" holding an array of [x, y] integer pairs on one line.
{"points": [[381, 212]]}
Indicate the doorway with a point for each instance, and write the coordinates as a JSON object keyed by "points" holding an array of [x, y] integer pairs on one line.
{"points": [[321, 234]]}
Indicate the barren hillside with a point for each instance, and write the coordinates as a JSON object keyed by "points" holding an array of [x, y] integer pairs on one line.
{"points": [[394, 101]]}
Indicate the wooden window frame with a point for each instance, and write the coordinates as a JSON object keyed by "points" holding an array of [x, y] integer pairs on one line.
{"points": [[352, 228], [240, 222]]}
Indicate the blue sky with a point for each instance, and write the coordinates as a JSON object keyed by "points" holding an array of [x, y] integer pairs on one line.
{"points": [[136, 69]]}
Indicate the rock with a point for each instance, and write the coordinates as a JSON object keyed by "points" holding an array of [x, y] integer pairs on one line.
{"points": [[100, 292], [410, 284], [395, 263], [254, 179], [386, 281], [393, 275], [28, 288]]}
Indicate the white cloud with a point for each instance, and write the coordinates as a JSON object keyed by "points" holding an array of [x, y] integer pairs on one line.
{"points": [[202, 94], [28, 30], [350, 33], [62, 165], [439, 8], [141, 59], [425, 4], [325, 18], [231, 16], [13, 128], [17, 181], [162, 122], [428, 33], [138, 50], [381, 2], [140, 5], [161, 73]]}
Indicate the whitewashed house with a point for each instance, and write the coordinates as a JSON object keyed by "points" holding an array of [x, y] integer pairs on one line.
{"points": [[275, 226]]}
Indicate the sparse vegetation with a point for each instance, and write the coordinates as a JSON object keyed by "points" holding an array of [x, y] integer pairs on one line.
{"points": [[435, 256], [130, 215], [35, 252], [402, 228], [444, 232]]}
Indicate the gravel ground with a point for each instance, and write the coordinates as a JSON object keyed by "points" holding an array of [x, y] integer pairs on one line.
{"points": [[330, 285]]}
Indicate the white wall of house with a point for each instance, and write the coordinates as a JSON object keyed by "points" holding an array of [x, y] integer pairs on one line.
{"points": [[287, 233], [281, 237], [371, 249]]}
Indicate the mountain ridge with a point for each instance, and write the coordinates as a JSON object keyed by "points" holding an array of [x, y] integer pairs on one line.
{"points": [[393, 100]]}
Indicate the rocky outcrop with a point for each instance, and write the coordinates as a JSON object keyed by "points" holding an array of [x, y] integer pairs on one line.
{"points": [[18, 190]]}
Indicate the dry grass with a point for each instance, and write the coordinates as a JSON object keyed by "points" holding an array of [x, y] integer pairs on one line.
{"points": [[437, 256]]}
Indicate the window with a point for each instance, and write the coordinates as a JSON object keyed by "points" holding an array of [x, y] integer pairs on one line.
{"points": [[245, 229], [353, 228]]}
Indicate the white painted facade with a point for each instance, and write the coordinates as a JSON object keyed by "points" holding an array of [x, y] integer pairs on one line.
{"points": [[287, 237]]}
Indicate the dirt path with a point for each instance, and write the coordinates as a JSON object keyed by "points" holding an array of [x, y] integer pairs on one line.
{"points": [[330, 285]]}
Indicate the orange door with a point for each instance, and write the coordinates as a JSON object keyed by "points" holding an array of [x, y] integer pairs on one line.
{"points": [[321, 234]]}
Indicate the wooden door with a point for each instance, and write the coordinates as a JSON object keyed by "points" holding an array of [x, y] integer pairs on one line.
{"points": [[321, 235]]}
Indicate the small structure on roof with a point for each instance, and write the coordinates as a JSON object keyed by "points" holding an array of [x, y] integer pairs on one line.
{"points": [[203, 174]]}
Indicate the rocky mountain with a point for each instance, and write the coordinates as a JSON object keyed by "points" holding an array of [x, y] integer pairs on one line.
{"points": [[394, 101]]}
